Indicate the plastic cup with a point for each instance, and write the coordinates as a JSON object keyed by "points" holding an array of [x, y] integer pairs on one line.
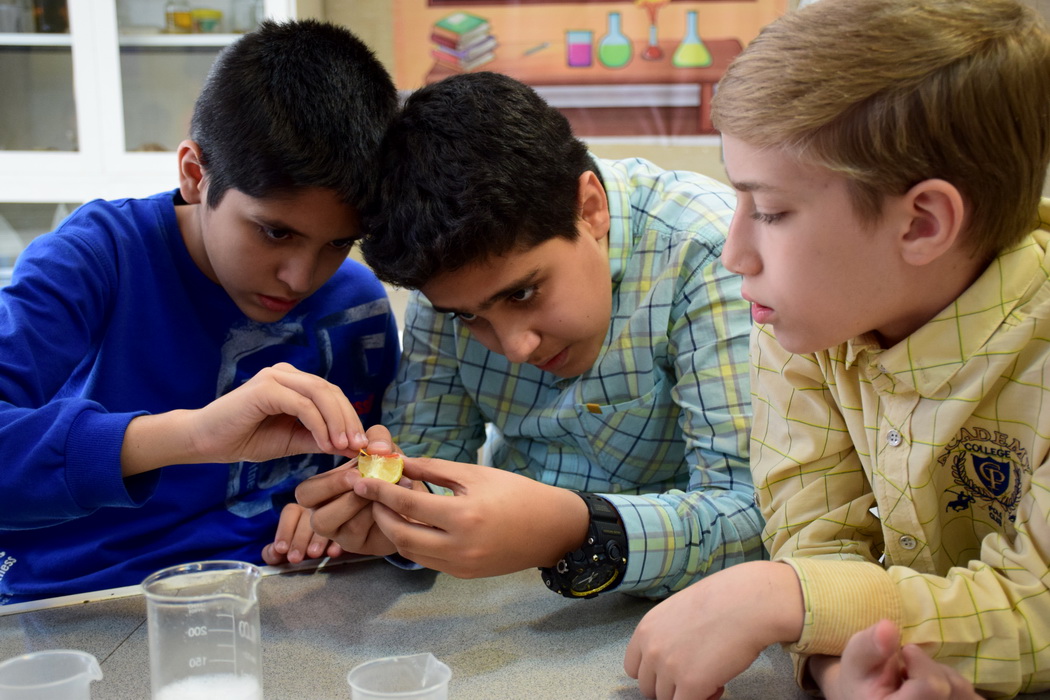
{"points": [[59, 674], [419, 676]]}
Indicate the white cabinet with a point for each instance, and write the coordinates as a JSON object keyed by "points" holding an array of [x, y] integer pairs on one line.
{"points": [[97, 111]]}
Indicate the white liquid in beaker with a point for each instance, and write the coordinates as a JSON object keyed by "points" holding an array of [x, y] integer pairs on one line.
{"points": [[226, 686]]}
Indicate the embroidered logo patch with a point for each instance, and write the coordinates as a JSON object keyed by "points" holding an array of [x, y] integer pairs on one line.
{"points": [[988, 467]]}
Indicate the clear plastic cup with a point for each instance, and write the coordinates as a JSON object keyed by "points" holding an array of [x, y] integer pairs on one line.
{"points": [[419, 676], [203, 621], [59, 674]]}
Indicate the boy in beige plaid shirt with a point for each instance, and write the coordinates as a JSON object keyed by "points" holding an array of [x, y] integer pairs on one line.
{"points": [[889, 157]]}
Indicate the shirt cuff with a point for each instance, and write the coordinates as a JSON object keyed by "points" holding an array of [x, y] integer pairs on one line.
{"points": [[841, 598]]}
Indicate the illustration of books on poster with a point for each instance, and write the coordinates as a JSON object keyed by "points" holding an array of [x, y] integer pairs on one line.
{"points": [[462, 42]]}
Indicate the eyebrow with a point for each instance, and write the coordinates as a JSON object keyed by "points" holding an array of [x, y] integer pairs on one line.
{"points": [[526, 280], [750, 186], [280, 226]]}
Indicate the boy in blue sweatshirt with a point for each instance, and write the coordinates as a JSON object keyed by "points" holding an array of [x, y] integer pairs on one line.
{"points": [[171, 367]]}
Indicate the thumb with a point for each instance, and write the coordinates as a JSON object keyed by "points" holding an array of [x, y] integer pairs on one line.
{"points": [[438, 471], [871, 648]]}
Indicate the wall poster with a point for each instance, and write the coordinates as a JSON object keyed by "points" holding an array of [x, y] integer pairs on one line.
{"points": [[632, 68]]}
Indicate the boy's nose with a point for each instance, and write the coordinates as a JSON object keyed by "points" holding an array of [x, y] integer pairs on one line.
{"points": [[297, 273], [518, 344], [737, 255]]}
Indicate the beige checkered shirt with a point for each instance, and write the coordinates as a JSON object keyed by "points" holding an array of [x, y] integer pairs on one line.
{"points": [[947, 437]]}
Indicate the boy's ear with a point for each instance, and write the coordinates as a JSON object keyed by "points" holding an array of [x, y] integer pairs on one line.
{"points": [[937, 212], [593, 205], [191, 172]]}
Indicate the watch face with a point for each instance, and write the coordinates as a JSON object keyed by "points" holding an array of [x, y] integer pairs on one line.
{"points": [[594, 580]]}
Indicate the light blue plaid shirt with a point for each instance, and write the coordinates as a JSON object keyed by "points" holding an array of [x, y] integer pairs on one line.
{"points": [[659, 426]]}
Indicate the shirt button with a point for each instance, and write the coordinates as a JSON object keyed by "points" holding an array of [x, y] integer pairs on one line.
{"points": [[908, 542], [893, 438]]}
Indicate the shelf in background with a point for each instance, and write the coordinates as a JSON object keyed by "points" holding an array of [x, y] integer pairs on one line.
{"points": [[34, 39], [177, 41]]}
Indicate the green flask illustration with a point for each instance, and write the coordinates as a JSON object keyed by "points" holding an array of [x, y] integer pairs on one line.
{"points": [[614, 50], [691, 53]]}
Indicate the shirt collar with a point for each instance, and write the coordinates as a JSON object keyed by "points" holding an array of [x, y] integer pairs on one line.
{"points": [[932, 355], [621, 242]]}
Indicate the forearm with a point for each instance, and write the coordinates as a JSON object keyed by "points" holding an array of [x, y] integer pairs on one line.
{"points": [[155, 441], [677, 538]]}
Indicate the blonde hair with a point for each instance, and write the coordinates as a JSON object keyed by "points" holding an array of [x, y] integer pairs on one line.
{"points": [[889, 93]]}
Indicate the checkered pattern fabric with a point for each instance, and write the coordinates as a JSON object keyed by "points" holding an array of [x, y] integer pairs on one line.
{"points": [[659, 425], [913, 483]]}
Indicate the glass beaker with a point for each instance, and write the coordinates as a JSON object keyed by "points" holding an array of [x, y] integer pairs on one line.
{"points": [[203, 621], [46, 675], [614, 50], [692, 52], [578, 45]]}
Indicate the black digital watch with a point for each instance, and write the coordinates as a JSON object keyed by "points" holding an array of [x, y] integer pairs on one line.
{"points": [[598, 565]]}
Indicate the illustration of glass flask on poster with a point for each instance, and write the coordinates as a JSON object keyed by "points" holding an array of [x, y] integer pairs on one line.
{"points": [[614, 49]]}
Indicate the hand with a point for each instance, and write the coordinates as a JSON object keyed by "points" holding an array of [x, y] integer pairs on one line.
{"points": [[295, 540], [696, 641], [495, 522], [338, 513], [875, 667], [279, 412]]}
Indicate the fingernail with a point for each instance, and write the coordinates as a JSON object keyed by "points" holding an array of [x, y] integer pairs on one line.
{"points": [[281, 546], [344, 441], [380, 446]]}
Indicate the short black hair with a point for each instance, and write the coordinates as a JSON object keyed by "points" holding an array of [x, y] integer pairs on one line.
{"points": [[293, 105], [474, 166]]}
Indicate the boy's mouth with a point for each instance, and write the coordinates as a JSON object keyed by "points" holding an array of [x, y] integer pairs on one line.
{"points": [[277, 303], [555, 362], [759, 313]]}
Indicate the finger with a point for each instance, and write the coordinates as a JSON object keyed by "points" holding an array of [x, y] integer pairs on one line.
{"points": [[869, 650], [316, 547], [419, 505], [646, 680], [928, 678], [334, 550], [327, 486], [272, 558], [286, 525], [632, 657], [301, 539], [427, 546], [327, 413], [665, 687], [335, 519], [451, 475], [380, 442]]}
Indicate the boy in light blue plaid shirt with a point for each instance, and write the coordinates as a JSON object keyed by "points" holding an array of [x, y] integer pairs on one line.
{"points": [[578, 309]]}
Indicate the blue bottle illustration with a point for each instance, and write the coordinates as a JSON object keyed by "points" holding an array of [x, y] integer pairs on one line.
{"points": [[614, 50]]}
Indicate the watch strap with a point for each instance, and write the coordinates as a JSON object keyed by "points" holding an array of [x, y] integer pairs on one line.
{"points": [[599, 565]]}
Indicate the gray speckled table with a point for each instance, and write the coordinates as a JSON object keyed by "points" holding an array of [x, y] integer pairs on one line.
{"points": [[504, 637]]}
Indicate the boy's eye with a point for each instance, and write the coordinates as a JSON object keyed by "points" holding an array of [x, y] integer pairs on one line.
{"points": [[342, 243], [523, 294], [463, 316], [764, 218], [275, 234]]}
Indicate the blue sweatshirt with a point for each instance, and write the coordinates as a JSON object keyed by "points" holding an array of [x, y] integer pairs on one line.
{"points": [[108, 318]]}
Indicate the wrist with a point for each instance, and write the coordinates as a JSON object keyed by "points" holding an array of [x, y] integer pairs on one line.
{"points": [[155, 441], [600, 562], [765, 596]]}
